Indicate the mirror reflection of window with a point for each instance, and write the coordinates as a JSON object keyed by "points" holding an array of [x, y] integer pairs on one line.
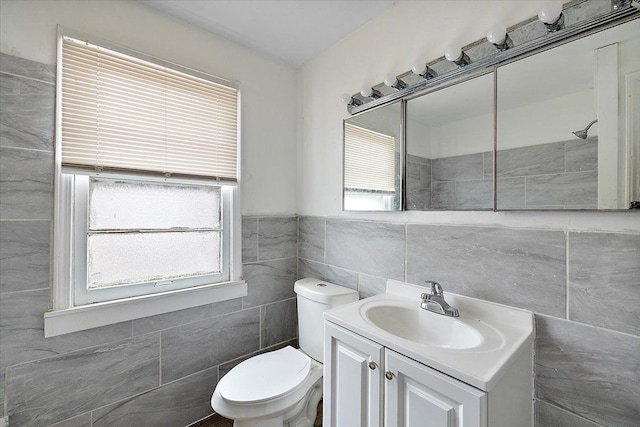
{"points": [[372, 180], [369, 169]]}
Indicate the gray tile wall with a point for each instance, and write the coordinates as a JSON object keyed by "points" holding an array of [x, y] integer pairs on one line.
{"points": [[159, 370], [557, 175], [584, 288]]}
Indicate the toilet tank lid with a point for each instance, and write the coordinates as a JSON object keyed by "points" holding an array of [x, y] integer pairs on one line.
{"points": [[320, 290]]}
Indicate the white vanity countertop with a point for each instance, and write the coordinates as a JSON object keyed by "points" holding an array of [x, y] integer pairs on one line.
{"points": [[505, 331]]}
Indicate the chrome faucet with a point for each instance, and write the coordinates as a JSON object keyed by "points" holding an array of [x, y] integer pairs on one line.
{"points": [[435, 302]]}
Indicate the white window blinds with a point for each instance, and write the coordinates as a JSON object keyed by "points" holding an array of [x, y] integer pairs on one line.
{"points": [[122, 113], [369, 159]]}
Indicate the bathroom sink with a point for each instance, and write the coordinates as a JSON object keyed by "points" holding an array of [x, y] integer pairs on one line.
{"points": [[477, 347], [410, 322]]}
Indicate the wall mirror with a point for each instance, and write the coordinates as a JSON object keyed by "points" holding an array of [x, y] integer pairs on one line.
{"points": [[561, 121], [449, 145], [372, 173], [551, 151]]}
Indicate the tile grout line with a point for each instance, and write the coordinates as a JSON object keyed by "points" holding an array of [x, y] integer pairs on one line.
{"points": [[567, 266]]}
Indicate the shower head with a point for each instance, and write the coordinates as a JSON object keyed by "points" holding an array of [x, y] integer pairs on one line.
{"points": [[582, 133]]}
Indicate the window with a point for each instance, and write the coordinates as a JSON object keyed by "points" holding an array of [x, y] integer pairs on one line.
{"points": [[369, 169], [146, 187]]}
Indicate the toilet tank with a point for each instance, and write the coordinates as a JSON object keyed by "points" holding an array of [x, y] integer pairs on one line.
{"points": [[314, 297]]}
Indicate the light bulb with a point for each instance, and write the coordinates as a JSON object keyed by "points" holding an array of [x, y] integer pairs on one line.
{"points": [[418, 68], [498, 34], [366, 91], [453, 53], [390, 80], [550, 12], [346, 98]]}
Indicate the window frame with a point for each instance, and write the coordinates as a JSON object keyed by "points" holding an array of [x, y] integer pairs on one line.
{"points": [[82, 295], [64, 315]]}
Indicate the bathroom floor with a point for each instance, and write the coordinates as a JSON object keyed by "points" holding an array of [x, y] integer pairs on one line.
{"points": [[219, 421]]}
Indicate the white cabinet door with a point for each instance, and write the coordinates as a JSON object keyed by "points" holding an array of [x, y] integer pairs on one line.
{"points": [[352, 379], [418, 396]]}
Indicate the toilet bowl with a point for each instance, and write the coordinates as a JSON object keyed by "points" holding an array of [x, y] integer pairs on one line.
{"points": [[274, 389], [282, 388]]}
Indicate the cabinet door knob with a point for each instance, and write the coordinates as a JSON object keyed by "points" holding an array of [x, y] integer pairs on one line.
{"points": [[389, 375], [372, 365]]}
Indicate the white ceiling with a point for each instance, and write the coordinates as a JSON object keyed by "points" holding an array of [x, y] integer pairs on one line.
{"points": [[293, 31]]}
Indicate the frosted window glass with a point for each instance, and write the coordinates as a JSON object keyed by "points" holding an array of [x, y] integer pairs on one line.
{"points": [[118, 205], [119, 258]]}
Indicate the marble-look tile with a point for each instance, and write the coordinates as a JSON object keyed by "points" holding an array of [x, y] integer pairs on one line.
{"points": [[532, 160], [197, 346], [578, 188], [511, 193], [249, 239], [176, 404], [24, 255], [224, 368], [331, 274], [604, 271], [269, 281], [369, 286], [548, 415], [83, 420], [22, 330], [581, 155], [279, 322], [418, 199], [522, 268], [487, 160], [27, 68], [2, 397], [311, 238], [374, 248], [418, 159], [26, 184], [457, 168], [27, 113], [589, 371], [443, 195], [182, 317], [474, 194], [277, 238], [51, 390]]}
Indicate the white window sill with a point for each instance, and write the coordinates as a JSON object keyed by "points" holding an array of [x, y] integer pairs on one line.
{"points": [[91, 316]]}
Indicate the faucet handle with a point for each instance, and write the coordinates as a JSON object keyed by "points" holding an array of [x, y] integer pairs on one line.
{"points": [[436, 288]]}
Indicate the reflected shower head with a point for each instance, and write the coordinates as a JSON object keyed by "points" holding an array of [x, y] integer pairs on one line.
{"points": [[582, 133]]}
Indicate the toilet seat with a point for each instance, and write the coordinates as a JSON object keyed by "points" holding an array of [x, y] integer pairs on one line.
{"points": [[265, 377]]}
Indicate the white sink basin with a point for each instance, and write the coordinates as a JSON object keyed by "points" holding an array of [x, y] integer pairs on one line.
{"points": [[477, 347], [410, 322]]}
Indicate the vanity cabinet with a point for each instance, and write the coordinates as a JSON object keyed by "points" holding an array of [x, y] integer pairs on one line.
{"points": [[368, 385]]}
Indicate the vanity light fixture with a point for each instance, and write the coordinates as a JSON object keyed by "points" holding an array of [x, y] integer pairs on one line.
{"points": [[457, 56], [423, 71], [350, 100], [551, 16], [369, 92], [500, 38], [394, 82]]}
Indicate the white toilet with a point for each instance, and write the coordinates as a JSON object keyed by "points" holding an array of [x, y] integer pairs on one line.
{"points": [[283, 387]]}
